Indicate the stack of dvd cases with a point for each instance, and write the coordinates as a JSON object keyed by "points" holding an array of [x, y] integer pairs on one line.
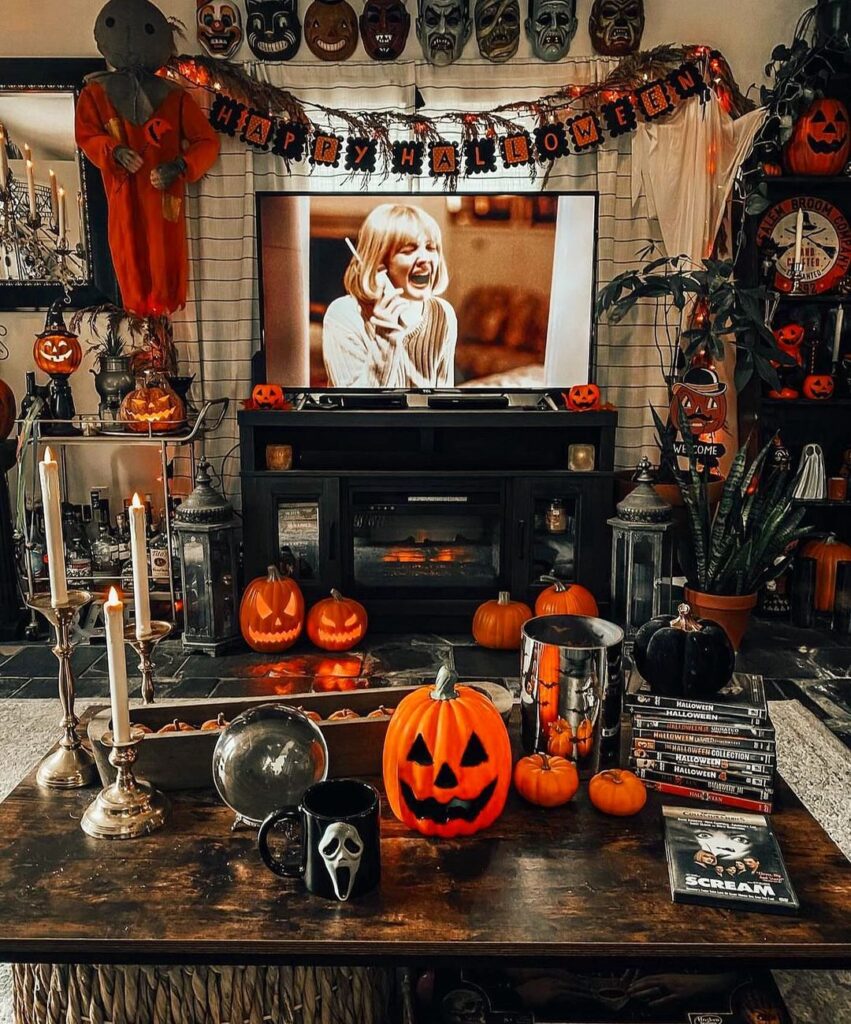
{"points": [[721, 751]]}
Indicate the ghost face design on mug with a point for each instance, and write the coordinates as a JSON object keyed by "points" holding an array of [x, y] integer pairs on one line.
{"points": [[219, 28], [551, 26], [331, 29], [443, 28], [616, 26], [384, 28], [272, 29], [341, 847], [497, 29]]}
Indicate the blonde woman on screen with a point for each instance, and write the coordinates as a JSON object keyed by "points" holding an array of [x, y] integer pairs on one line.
{"points": [[391, 329]]}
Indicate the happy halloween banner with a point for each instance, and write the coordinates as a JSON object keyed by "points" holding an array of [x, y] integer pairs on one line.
{"points": [[295, 141]]}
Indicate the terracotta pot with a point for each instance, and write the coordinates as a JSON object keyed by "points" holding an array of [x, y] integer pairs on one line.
{"points": [[732, 611]]}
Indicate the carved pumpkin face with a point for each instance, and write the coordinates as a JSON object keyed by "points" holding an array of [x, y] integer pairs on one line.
{"points": [[337, 623], [331, 29], [153, 406], [701, 398], [447, 760], [384, 27], [820, 143], [818, 386], [57, 352], [790, 338], [583, 398], [616, 26], [268, 396], [271, 613], [219, 27]]}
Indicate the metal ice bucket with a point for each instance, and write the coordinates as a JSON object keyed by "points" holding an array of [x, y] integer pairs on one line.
{"points": [[571, 669]]}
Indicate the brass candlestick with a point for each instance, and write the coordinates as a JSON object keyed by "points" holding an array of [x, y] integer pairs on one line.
{"points": [[71, 766], [126, 808], [144, 647]]}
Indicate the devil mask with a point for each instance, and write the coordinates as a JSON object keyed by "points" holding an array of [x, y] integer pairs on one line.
{"points": [[497, 28], [331, 29], [384, 27], [443, 28], [219, 27], [551, 26], [133, 34], [616, 26], [272, 28]]}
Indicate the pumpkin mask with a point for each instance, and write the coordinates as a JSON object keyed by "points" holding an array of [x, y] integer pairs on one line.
{"points": [[820, 143], [331, 29], [273, 29], [443, 28], [497, 29], [551, 26], [219, 28], [616, 26], [384, 28], [701, 398]]}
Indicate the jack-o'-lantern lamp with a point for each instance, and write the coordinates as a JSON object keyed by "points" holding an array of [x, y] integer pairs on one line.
{"points": [[820, 142], [152, 407], [57, 353], [206, 535]]}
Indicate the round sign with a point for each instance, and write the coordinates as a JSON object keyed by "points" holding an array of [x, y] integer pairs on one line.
{"points": [[825, 244]]}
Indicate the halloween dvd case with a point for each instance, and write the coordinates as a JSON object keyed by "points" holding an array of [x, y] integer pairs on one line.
{"points": [[726, 858], [742, 698]]}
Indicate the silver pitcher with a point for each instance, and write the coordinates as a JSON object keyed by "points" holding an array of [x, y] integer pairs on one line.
{"points": [[571, 670]]}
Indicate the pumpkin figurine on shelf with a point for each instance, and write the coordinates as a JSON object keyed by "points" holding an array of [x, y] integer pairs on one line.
{"points": [[583, 398], [337, 623], [447, 760], [152, 407], [820, 143], [828, 553], [497, 624], [684, 657], [617, 792], [268, 396], [546, 780], [818, 387], [565, 599], [271, 613], [57, 353]]}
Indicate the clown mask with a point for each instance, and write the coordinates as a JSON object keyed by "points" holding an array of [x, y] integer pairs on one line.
{"points": [[497, 28], [272, 29], [616, 26], [384, 27], [331, 29], [551, 26], [219, 28], [443, 28]]}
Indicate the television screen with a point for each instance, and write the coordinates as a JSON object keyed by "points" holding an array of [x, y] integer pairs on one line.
{"points": [[412, 291]]}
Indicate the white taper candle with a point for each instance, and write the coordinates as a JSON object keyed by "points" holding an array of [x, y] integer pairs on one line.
{"points": [[837, 331], [113, 611], [139, 555], [799, 236], [31, 188], [48, 470]]}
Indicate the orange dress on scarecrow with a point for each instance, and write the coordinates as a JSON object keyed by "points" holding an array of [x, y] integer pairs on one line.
{"points": [[147, 228]]}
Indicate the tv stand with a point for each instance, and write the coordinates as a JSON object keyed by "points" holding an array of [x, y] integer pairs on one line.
{"points": [[438, 399]]}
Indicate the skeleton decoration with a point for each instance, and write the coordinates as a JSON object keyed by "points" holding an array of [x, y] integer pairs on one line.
{"points": [[551, 26], [443, 28], [273, 29], [219, 27], [497, 29], [616, 26], [384, 28], [331, 29], [341, 848]]}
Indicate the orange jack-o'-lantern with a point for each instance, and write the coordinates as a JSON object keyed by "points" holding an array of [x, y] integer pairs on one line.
{"points": [[336, 623], [153, 406], [820, 143], [271, 613], [583, 398], [790, 339], [818, 387], [56, 349], [268, 396]]}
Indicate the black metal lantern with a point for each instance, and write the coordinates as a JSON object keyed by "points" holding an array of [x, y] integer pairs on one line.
{"points": [[642, 554], [206, 531]]}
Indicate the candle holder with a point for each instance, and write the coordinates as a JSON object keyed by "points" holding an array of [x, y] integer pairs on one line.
{"points": [[144, 648], [71, 766], [126, 808], [797, 274]]}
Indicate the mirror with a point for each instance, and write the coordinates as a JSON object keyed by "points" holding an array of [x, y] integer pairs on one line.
{"points": [[52, 205]]}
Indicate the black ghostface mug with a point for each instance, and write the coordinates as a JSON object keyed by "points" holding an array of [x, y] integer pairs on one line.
{"points": [[340, 855]]}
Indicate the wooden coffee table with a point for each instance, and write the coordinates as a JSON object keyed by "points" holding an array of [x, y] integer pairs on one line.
{"points": [[557, 887]]}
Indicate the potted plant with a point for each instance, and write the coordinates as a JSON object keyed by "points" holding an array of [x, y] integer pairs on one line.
{"points": [[749, 540], [112, 370]]}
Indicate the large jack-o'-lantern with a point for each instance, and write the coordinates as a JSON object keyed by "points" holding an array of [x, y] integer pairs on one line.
{"points": [[820, 144], [271, 613], [447, 760], [153, 406], [337, 623]]}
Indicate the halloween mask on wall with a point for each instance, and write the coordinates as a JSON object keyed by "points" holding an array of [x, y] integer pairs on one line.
{"points": [[497, 28], [443, 28], [384, 28], [219, 27], [702, 399], [616, 26], [331, 29], [551, 26], [272, 28]]}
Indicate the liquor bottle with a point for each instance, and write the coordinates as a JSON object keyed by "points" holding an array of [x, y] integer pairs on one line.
{"points": [[30, 394], [160, 556], [105, 547], [78, 552], [38, 545], [122, 530]]}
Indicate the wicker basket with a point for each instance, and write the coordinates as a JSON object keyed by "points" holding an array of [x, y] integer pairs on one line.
{"points": [[86, 994]]}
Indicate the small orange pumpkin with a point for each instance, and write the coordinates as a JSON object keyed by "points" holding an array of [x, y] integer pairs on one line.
{"points": [[546, 781], [268, 396], [7, 410], [583, 398], [314, 716], [344, 714], [818, 387], [584, 738], [497, 624], [219, 722], [618, 792], [560, 740], [565, 599], [271, 613], [381, 712], [337, 623], [177, 726], [145, 729], [153, 406], [828, 553]]}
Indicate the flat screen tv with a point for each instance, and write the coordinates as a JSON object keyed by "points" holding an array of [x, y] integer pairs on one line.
{"points": [[407, 291]]}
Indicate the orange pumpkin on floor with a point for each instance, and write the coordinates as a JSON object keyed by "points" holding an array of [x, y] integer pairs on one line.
{"points": [[337, 623], [617, 792], [497, 624], [546, 781], [271, 613], [565, 599], [153, 406], [828, 553]]}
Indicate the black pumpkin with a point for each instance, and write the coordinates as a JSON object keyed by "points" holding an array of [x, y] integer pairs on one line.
{"points": [[683, 657]]}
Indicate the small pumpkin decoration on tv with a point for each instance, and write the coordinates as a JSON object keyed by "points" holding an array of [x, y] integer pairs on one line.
{"points": [[546, 780], [153, 406], [820, 143], [818, 387], [684, 656], [447, 760], [337, 623], [497, 624], [271, 613], [828, 553], [617, 792], [268, 396], [583, 398], [565, 599]]}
